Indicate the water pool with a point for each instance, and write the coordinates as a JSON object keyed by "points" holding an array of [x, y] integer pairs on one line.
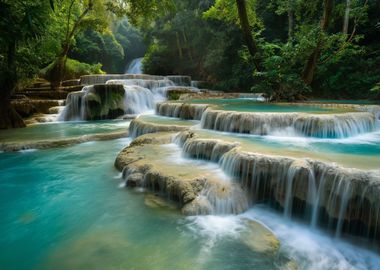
{"points": [[63, 209], [62, 130], [361, 152]]}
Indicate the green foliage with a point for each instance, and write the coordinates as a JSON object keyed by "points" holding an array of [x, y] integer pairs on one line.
{"points": [[73, 69], [375, 91], [280, 78], [94, 47], [226, 10]]}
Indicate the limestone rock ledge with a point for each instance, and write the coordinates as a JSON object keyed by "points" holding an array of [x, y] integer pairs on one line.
{"points": [[148, 162]]}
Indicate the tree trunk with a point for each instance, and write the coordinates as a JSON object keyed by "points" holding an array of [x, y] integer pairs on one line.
{"points": [[247, 33], [180, 54], [346, 17], [311, 65], [9, 118], [58, 72], [290, 20]]}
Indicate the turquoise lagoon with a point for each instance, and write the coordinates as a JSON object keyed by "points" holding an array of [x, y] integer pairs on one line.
{"points": [[64, 208]]}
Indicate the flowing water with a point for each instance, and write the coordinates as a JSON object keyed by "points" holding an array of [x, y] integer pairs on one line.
{"points": [[135, 67], [65, 208]]}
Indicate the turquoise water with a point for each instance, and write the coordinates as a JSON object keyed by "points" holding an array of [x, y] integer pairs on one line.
{"points": [[362, 152], [347, 101], [61, 130], [64, 209], [246, 105]]}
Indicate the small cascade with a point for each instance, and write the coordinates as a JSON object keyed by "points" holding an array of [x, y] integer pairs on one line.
{"points": [[320, 125], [135, 67], [253, 96], [138, 128], [157, 87], [344, 200], [221, 198], [335, 126], [106, 101], [180, 80], [137, 99], [181, 110]]}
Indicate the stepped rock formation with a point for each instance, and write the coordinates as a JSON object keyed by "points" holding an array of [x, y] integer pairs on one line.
{"points": [[313, 125], [95, 102], [106, 101], [103, 78], [345, 200], [181, 110], [198, 191], [139, 127]]}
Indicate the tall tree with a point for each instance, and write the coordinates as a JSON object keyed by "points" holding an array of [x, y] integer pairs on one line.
{"points": [[291, 19], [311, 65], [247, 32], [21, 23], [76, 16], [346, 17]]}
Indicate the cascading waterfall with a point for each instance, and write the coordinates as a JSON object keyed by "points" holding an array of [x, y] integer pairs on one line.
{"points": [[157, 87], [135, 67], [346, 200], [320, 126], [180, 80], [181, 110], [106, 102], [137, 99], [222, 198]]}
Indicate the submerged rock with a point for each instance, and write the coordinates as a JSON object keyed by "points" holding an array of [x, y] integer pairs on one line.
{"points": [[259, 238]]}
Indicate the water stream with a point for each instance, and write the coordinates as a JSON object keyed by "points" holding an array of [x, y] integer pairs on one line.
{"points": [[67, 208]]}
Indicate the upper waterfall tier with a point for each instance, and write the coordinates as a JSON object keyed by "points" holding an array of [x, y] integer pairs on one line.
{"points": [[178, 80], [312, 125], [319, 125]]}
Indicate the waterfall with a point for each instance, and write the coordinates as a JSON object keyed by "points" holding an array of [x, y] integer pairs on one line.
{"points": [[107, 101], [137, 99], [320, 125], [180, 80], [135, 67], [222, 198], [181, 110], [346, 200], [138, 128], [157, 87]]}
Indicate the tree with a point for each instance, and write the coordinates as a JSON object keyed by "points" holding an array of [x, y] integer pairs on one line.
{"points": [[246, 29], [309, 70], [21, 23], [77, 16]]}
